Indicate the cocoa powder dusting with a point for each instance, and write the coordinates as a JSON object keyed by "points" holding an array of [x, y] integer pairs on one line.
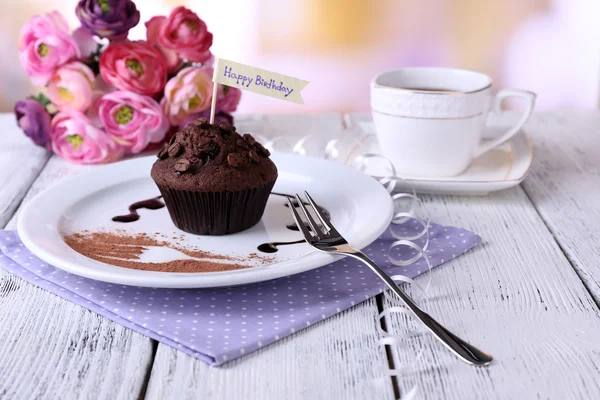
{"points": [[173, 266], [124, 249]]}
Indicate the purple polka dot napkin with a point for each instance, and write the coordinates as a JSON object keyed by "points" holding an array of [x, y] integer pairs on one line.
{"points": [[219, 325]]}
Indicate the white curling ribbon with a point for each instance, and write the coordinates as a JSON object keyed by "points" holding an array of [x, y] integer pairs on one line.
{"points": [[401, 345], [423, 232], [278, 143], [360, 162], [405, 279], [414, 201], [389, 336], [335, 147], [421, 254], [391, 182], [411, 394], [401, 342], [405, 263], [399, 218], [333, 150], [299, 146], [307, 146], [399, 279]]}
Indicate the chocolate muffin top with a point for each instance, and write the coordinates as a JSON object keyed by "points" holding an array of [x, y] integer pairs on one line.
{"points": [[213, 158]]}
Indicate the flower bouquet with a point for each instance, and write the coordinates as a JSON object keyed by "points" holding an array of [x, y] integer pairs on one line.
{"points": [[105, 96]]}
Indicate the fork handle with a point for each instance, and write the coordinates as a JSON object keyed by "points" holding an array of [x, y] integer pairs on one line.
{"points": [[462, 349]]}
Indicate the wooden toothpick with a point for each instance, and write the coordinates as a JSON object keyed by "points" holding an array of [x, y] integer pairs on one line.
{"points": [[213, 104]]}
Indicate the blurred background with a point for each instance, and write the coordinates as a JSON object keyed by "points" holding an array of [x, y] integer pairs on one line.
{"points": [[546, 46]]}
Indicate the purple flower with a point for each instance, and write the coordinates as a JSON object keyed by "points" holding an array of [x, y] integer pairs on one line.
{"points": [[34, 120], [110, 19], [219, 116]]}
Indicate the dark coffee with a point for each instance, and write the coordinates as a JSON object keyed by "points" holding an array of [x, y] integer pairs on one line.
{"points": [[439, 90]]}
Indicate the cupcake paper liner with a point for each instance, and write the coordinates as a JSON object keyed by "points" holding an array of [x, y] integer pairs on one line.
{"points": [[216, 213]]}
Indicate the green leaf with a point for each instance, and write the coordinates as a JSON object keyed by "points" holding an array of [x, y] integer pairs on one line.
{"points": [[42, 99], [93, 60]]}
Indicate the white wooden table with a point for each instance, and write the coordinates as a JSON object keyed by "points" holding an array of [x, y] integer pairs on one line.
{"points": [[529, 295]]}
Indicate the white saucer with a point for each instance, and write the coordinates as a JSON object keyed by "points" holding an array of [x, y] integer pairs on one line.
{"points": [[360, 208], [501, 168]]}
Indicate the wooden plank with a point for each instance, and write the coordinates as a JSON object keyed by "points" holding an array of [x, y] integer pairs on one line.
{"points": [[336, 359], [517, 297], [564, 183], [20, 163], [51, 348]]}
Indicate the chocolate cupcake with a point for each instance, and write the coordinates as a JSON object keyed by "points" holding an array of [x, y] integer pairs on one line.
{"points": [[214, 181]]}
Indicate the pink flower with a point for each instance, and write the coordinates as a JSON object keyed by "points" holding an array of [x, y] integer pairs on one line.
{"points": [[133, 120], [70, 87], [183, 32], [187, 93], [134, 66], [85, 41], [102, 85], [100, 89], [46, 45], [228, 98], [93, 113], [153, 26], [74, 138]]}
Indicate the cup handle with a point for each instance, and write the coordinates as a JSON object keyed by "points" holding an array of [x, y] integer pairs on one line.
{"points": [[501, 95]]}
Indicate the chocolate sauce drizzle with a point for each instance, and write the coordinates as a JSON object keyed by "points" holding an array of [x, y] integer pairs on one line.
{"points": [[150, 204], [293, 227], [271, 247]]}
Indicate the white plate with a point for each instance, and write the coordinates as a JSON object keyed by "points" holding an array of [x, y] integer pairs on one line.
{"points": [[360, 208], [501, 168]]}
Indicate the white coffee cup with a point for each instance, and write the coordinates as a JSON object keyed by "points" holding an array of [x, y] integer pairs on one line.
{"points": [[429, 121]]}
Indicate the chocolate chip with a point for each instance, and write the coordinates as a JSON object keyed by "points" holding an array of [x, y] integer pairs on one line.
{"points": [[182, 165], [212, 151], [201, 122], [226, 126], [163, 153], [237, 160], [253, 156], [262, 150], [197, 162], [232, 160], [174, 149], [242, 144], [249, 139]]}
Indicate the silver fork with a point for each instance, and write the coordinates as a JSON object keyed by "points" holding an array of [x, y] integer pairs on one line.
{"points": [[327, 239]]}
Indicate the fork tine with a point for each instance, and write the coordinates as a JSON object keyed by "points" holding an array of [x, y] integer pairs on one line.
{"points": [[313, 224], [324, 220], [299, 222]]}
